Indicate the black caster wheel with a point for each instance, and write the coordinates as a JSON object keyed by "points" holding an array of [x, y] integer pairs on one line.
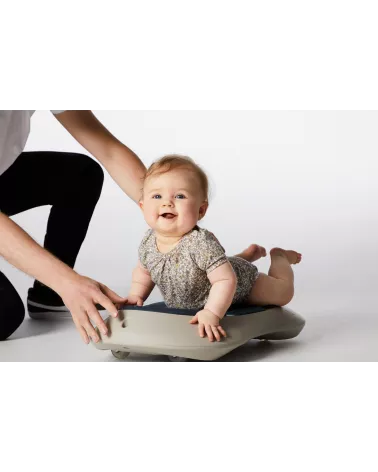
{"points": [[177, 359], [120, 354]]}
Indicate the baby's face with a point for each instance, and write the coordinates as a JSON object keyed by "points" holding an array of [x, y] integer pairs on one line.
{"points": [[173, 202]]}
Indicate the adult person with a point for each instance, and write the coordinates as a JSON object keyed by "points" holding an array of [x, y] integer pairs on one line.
{"points": [[71, 183]]}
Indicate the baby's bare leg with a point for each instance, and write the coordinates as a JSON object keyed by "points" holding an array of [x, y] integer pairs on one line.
{"points": [[276, 288], [253, 253]]}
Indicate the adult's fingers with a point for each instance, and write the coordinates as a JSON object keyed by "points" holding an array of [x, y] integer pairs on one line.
{"points": [[95, 316], [82, 331], [83, 335], [91, 332], [114, 297], [106, 303]]}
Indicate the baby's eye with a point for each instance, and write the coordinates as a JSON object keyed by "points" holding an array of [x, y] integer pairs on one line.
{"points": [[157, 196], [180, 196]]}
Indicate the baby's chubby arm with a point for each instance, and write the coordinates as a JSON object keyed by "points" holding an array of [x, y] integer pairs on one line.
{"points": [[223, 286], [141, 286]]}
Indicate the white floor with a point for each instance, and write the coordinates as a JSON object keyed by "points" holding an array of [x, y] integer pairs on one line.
{"points": [[335, 332]]}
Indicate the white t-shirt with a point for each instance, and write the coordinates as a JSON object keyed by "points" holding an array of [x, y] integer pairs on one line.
{"points": [[14, 132]]}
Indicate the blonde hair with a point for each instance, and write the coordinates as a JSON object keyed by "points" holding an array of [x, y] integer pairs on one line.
{"points": [[176, 161]]}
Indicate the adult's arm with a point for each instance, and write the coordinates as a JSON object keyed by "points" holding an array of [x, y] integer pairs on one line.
{"points": [[123, 165], [80, 294]]}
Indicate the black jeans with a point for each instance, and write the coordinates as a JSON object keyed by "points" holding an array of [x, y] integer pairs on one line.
{"points": [[72, 184]]}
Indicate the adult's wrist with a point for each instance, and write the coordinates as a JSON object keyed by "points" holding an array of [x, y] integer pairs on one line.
{"points": [[63, 278]]}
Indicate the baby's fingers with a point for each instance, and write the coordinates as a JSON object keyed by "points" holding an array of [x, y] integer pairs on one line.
{"points": [[216, 332], [222, 331], [201, 330], [194, 319], [209, 333]]}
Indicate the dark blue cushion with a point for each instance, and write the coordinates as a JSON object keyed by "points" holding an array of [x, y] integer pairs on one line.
{"points": [[161, 307]]}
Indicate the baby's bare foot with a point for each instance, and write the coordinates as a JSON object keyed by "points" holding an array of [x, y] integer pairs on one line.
{"points": [[292, 256], [253, 253]]}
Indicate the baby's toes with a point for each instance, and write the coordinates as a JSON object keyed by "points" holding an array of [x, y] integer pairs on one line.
{"points": [[261, 251]]}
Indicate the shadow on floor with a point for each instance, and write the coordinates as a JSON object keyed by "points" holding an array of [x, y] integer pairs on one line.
{"points": [[251, 351], [258, 350], [30, 328]]}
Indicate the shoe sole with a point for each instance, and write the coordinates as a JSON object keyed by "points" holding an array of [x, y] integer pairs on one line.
{"points": [[50, 315], [38, 311]]}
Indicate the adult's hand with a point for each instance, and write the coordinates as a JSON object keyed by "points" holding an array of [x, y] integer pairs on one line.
{"points": [[80, 295]]}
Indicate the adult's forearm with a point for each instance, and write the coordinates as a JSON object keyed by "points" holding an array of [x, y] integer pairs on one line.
{"points": [[20, 250], [126, 169], [122, 163]]}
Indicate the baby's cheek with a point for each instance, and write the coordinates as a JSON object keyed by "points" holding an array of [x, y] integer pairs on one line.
{"points": [[150, 216], [191, 209]]}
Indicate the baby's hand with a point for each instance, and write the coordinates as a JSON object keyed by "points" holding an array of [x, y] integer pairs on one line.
{"points": [[209, 322], [134, 300]]}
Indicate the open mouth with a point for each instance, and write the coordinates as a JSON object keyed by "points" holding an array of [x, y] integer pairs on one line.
{"points": [[168, 216]]}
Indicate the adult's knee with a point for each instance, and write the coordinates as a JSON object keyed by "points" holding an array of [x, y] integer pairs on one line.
{"points": [[94, 173], [89, 178], [11, 321], [91, 170], [12, 310]]}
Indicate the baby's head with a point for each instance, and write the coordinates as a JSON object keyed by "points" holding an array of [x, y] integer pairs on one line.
{"points": [[175, 195]]}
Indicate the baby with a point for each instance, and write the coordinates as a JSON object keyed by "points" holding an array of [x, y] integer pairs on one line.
{"points": [[188, 264]]}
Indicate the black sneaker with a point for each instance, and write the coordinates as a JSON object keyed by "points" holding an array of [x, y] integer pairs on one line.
{"points": [[44, 303]]}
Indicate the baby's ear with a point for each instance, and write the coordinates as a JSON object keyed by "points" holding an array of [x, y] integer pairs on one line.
{"points": [[203, 210], [140, 203]]}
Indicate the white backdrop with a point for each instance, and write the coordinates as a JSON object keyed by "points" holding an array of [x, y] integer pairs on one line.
{"points": [[299, 180]]}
